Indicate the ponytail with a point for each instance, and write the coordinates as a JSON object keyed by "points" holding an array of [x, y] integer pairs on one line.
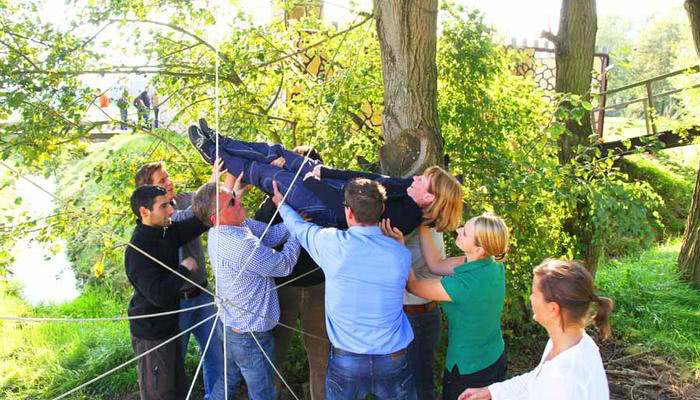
{"points": [[602, 317]]}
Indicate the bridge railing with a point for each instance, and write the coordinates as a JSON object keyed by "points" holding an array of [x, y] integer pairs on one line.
{"points": [[647, 101]]}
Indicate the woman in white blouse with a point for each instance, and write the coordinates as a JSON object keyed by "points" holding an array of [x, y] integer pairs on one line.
{"points": [[571, 367]]}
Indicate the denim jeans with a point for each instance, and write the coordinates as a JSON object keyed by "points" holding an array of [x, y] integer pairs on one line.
{"points": [[253, 159], [213, 364], [123, 113], [353, 376], [156, 111], [244, 358], [421, 352]]}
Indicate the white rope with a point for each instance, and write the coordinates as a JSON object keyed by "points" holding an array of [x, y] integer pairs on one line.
{"points": [[333, 108], [36, 319], [204, 354], [273, 365], [134, 359]]}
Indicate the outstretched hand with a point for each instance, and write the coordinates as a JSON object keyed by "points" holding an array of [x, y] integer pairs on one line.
{"points": [[277, 196], [475, 394], [278, 162], [390, 231], [239, 187], [217, 170]]}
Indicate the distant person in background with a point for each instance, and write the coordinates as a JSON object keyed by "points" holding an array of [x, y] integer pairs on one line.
{"points": [[571, 367], [123, 104], [155, 101], [142, 102], [103, 99]]}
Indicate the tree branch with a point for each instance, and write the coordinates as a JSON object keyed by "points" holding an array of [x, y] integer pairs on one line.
{"points": [[353, 27]]}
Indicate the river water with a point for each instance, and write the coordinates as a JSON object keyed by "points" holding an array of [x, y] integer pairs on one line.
{"points": [[45, 277]]}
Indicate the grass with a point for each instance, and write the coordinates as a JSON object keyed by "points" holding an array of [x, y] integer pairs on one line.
{"points": [[673, 181], [44, 360], [654, 308]]}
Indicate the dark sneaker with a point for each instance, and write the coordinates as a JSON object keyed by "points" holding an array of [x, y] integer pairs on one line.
{"points": [[198, 140], [206, 130]]}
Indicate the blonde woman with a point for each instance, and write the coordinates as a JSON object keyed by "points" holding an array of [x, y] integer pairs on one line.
{"points": [[571, 367], [433, 198], [472, 293]]}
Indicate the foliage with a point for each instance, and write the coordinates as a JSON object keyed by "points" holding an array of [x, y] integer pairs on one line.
{"points": [[501, 135], [44, 360], [499, 131], [672, 181], [653, 306]]}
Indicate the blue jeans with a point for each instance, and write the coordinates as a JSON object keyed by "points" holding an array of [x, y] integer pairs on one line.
{"points": [[123, 113], [213, 364], [244, 358], [421, 352], [253, 159], [353, 376]]}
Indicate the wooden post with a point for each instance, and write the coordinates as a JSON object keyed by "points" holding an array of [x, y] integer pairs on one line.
{"points": [[652, 111]]}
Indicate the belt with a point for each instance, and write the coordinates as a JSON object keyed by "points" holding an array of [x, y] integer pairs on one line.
{"points": [[191, 294], [419, 308], [396, 354]]}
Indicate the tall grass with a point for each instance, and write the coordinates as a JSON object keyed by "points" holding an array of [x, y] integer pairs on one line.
{"points": [[653, 306], [46, 359]]}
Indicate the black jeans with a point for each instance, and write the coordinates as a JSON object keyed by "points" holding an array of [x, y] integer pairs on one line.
{"points": [[453, 383]]}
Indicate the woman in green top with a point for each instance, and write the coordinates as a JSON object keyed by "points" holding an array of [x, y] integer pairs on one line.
{"points": [[472, 293]]}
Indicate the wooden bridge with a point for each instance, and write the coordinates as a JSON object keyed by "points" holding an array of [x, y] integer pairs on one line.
{"points": [[669, 138]]}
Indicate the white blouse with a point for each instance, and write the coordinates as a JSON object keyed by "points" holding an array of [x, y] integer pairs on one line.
{"points": [[577, 373]]}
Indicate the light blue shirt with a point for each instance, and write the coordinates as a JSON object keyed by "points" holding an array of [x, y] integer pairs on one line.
{"points": [[366, 273]]}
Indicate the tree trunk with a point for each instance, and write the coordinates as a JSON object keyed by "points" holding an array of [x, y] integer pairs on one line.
{"points": [[575, 47], [407, 31], [689, 257]]}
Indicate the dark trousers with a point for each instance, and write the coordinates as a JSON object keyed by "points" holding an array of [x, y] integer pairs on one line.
{"points": [[156, 111], [123, 113], [453, 384], [253, 159], [161, 372], [421, 352]]}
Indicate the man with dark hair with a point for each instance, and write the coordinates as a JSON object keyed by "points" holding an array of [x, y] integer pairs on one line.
{"points": [[244, 265], [154, 173], [366, 273], [156, 290]]}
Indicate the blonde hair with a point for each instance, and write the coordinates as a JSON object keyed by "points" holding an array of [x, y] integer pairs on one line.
{"points": [[491, 234], [445, 212]]}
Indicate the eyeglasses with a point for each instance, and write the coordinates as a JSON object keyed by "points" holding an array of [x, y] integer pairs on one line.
{"points": [[230, 203]]}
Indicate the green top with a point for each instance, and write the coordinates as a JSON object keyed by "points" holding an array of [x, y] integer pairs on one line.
{"points": [[477, 290]]}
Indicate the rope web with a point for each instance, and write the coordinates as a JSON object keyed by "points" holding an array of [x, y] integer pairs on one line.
{"points": [[220, 300]]}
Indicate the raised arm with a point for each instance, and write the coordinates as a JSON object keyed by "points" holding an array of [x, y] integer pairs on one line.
{"points": [[436, 263], [430, 289]]}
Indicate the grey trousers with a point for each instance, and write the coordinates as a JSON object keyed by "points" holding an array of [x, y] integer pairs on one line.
{"points": [[307, 305]]}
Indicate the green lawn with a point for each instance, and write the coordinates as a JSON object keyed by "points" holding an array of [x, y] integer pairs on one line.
{"points": [[653, 307]]}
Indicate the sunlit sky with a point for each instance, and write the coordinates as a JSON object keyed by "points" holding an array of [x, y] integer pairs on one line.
{"points": [[523, 20]]}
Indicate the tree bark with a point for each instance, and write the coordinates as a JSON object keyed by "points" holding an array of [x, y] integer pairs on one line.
{"points": [[407, 32], [689, 257], [575, 47]]}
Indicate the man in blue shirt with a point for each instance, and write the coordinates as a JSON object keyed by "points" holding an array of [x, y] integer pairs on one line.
{"points": [[366, 273]]}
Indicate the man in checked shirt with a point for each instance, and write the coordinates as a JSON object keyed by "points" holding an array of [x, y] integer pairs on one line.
{"points": [[244, 267]]}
